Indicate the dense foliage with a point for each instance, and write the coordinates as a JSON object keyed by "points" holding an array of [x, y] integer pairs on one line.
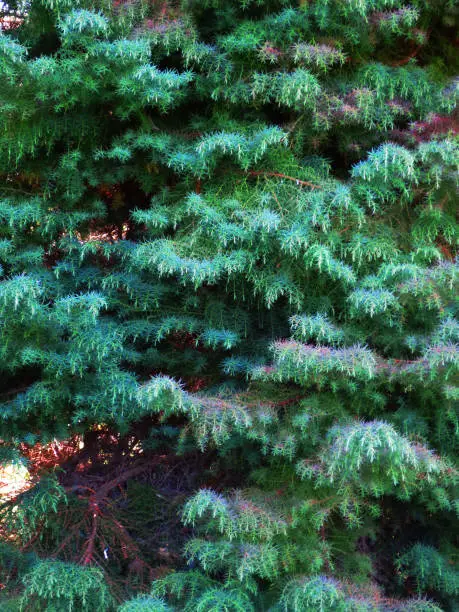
{"points": [[227, 305]]}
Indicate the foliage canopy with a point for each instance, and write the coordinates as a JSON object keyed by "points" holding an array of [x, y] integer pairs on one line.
{"points": [[228, 293]]}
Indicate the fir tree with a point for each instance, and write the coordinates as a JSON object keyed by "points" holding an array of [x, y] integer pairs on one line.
{"points": [[228, 244]]}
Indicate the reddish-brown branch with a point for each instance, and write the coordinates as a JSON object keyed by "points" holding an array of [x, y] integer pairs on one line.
{"points": [[413, 53], [90, 545], [128, 546], [121, 479], [287, 402], [32, 540], [79, 488], [407, 58], [14, 391], [279, 404], [313, 502], [283, 176], [445, 249], [99, 520], [101, 493], [73, 528]]}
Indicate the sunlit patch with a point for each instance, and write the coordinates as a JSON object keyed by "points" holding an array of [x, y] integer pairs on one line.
{"points": [[14, 479]]}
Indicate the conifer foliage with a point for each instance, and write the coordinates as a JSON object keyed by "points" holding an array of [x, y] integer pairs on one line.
{"points": [[228, 305]]}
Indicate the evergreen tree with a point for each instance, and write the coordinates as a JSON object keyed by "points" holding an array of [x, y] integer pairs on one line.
{"points": [[228, 245]]}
